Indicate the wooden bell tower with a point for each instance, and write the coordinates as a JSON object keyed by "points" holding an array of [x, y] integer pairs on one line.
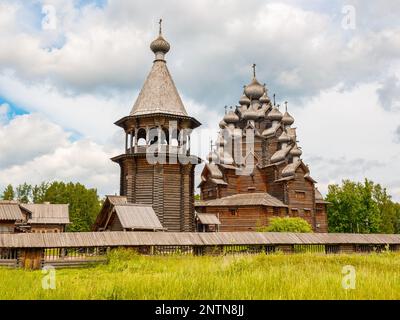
{"points": [[157, 167]]}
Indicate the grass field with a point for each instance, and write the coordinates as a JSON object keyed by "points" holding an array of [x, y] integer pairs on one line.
{"points": [[277, 276]]}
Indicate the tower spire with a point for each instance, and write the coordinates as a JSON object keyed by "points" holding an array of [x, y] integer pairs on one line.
{"points": [[254, 70], [160, 46]]}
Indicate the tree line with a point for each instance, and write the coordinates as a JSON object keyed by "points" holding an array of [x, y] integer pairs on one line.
{"points": [[84, 203], [365, 207]]}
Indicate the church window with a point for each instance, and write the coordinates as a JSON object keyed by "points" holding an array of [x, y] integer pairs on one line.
{"points": [[300, 195]]}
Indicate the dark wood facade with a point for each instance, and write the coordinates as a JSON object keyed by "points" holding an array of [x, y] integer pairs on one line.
{"points": [[272, 157]]}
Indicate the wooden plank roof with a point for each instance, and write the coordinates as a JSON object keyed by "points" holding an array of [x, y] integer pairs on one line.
{"points": [[243, 199], [134, 216], [159, 93], [119, 238], [47, 213], [208, 218], [10, 210]]}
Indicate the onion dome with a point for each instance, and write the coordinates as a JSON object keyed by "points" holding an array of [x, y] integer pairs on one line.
{"points": [[231, 117], [244, 100], [287, 119], [274, 114], [264, 98], [222, 124], [160, 46], [296, 152], [254, 89], [284, 138]]}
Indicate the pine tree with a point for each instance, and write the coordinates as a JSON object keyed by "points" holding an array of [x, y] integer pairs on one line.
{"points": [[8, 193]]}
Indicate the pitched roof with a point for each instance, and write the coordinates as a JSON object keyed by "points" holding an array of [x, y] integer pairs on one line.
{"points": [[243, 199], [47, 213], [159, 94], [117, 199], [208, 218], [280, 154], [10, 210], [214, 170], [319, 198], [138, 216]]}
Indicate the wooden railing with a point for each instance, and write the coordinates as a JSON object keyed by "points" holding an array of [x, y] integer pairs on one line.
{"points": [[76, 249]]}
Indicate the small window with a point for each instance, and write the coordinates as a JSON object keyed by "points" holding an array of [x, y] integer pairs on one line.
{"points": [[307, 212], [295, 212], [276, 211], [233, 212], [300, 195]]}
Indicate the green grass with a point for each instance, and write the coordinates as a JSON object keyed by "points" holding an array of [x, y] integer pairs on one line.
{"points": [[277, 276]]}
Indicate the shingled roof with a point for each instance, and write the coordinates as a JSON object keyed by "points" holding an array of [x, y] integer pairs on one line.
{"points": [[10, 210], [208, 218], [243, 199], [159, 94], [47, 213], [139, 217]]}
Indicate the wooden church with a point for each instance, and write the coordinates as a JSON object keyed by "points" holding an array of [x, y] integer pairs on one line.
{"points": [[256, 171], [233, 198]]}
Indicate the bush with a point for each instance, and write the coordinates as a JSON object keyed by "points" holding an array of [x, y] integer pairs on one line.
{"points": [[287, 225]]}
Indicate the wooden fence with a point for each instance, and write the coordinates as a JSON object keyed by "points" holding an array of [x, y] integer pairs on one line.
{"points": [[76, 249]]}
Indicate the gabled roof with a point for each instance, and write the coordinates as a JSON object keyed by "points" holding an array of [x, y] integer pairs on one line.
{"points": [[137, 216], [159, 94], [117, 199], [243, 199], [47, 213], [10, 210], [214, 171], [208, 218]]}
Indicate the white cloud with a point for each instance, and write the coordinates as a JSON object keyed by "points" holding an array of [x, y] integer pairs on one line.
{"points": [[88, 115], [389, 93], [81, 161], [33, 149], [28, 136], [347, 135], [299, 51]]}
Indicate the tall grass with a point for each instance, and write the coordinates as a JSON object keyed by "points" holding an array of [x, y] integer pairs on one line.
{"points": [[277, 276]]}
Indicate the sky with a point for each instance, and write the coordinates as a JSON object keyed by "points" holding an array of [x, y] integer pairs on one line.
{"points": [[70, 69]]}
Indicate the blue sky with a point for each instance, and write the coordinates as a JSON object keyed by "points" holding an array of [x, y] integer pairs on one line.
{"points": [[66, 84]]}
